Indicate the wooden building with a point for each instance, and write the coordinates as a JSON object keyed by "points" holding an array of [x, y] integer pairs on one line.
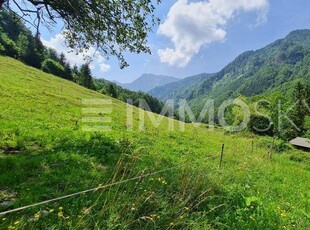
{"points": [[301, 143]]}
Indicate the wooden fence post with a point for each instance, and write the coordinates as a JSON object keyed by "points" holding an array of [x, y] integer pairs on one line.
{"points": [[221, 156], [271, 149]]}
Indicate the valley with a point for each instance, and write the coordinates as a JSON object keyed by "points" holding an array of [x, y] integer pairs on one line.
{"points": [[224, 149], [46, 154]]}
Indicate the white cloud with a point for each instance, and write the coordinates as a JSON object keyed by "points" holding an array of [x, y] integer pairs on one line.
{"points": [[191, 25], [58, 43], [104, 67]]}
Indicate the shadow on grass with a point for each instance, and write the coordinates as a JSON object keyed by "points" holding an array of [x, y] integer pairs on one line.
{"points": [[67, 162], [60, 163]]}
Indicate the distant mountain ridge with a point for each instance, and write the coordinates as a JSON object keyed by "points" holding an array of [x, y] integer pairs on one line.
{"points": [[148, 82], [271, 69], [178, 89]]}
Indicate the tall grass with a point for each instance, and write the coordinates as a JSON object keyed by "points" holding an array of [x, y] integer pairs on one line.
{"points": [[45, 154]]}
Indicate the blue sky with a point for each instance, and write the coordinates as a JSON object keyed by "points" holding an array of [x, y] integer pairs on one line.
{"points": [[200, 36]]}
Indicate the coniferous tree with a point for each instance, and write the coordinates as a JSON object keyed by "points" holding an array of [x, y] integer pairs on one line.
{"points": [[307, 100], [68, 72], [75, 70], [111, 91], [300, 110], [39, 50], [62, 59], [33, 58], [85, 76], [75, 74]]}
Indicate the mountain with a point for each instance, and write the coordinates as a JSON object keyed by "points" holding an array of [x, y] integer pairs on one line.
{"points": [[178, 89], [274, 68], [47, 150], [148, 82], [112, 89]]}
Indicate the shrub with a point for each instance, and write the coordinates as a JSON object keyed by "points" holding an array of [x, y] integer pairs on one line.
{"points": [[103, 91], [53, 67], [2, 49], [9, 47], [260, 125], [278, 146]]}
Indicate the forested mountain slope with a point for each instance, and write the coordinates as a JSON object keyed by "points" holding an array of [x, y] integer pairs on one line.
{"points": [[46, 152], [270, 69], [179, 89]]}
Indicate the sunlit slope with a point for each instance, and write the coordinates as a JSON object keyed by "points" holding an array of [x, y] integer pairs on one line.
{"points": [[33, 101], [44, 153]]}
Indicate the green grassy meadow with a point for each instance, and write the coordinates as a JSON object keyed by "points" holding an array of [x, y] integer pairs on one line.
{"points": [[44, 154]]}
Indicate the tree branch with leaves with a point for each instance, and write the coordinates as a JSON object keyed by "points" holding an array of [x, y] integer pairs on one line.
{"points": [[111, 26]]}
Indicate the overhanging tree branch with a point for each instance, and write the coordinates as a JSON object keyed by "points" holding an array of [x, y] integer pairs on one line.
{"points": [[111, 26]]}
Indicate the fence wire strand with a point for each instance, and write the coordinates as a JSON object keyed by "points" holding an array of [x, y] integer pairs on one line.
{"points": [[100, 187]]}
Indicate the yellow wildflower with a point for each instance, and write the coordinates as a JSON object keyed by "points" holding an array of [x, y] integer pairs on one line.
{"points": [[283, 214], [51, 211], [16, 223], [37, 216], [60, 214]]}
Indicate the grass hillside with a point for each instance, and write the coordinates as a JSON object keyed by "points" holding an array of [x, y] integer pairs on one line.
{"points": [[44, 154]]}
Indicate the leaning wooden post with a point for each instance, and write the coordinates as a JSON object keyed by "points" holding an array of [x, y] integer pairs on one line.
{"points": [[221, 156], [271, 149]]}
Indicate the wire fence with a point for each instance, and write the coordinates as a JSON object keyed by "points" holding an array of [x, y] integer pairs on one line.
{"points": [[103, 187]]}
